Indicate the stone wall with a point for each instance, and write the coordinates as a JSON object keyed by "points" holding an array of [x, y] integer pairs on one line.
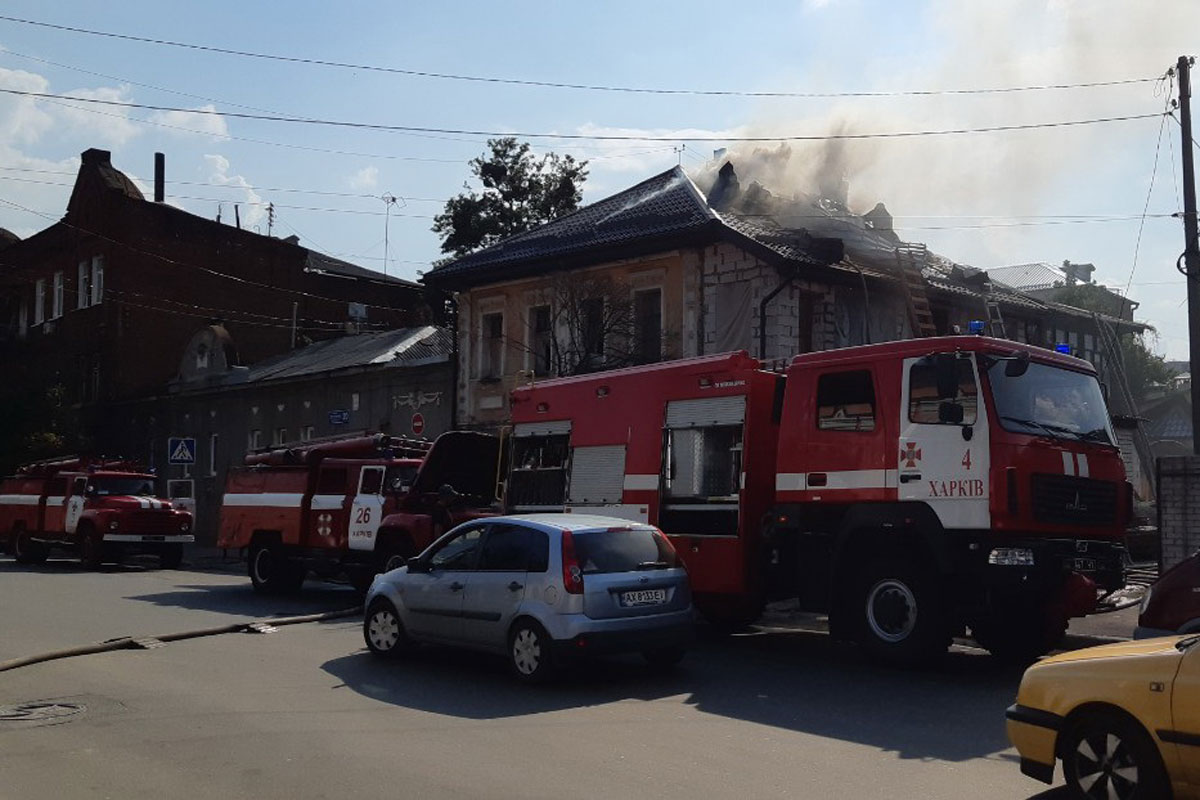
{"points": [[1178, 507]]}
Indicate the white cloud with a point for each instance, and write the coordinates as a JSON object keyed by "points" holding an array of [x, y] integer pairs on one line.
{"points": [[109, 125], [207, 124], [365, 178], [255, 210], [21, 120]]}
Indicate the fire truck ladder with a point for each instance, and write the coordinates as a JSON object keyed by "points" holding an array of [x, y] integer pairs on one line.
{"points": [[911, 259], [1115, 368], [995, 320]]}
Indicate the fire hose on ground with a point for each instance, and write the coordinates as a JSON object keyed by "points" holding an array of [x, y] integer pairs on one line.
{"points": [[148, 642]]}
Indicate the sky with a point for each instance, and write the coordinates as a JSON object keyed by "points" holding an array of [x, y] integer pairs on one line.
{"points": [[1102, 193]]}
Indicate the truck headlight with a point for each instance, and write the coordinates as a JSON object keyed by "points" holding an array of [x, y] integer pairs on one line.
{"points": [[112, 526], [1011, 557], [185, 526]]}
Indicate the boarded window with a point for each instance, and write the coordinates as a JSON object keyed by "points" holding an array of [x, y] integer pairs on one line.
{"points": [[647, 325], [733, 321], [846, 401]]}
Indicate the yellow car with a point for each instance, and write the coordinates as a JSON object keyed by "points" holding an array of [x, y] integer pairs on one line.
{"points": [[1123, 718]]}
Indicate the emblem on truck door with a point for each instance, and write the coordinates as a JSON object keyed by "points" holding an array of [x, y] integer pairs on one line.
{"points": [[325, 524], [910, 455]]}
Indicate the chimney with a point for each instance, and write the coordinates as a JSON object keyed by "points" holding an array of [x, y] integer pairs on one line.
{"points": [[1081, 273], [96, 158], [725, 191], [160, 176]]}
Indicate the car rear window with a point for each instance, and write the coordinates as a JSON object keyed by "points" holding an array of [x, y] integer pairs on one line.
{"points": [[623, 550]]}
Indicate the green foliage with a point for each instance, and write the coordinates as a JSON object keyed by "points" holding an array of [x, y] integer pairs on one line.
{"points": [[520, 192], [35, 426], [1093, 298]]}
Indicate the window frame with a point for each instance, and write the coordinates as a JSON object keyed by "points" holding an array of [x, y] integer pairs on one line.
{"points": [[874, 418], [97, 280], [957, 400], [39, 301], [83, 286], [481, 529], [639, 333], [537, 337], [488, 370]]}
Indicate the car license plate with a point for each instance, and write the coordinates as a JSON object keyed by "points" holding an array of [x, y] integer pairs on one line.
{"points": [[644, 597], [1085, 565]]}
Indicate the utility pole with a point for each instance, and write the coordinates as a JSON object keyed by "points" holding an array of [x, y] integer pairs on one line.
{"points": [[389, 200], [1191, 244]]}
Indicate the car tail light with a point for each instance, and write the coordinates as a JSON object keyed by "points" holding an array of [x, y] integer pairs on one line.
{"points": [[572, 572]]}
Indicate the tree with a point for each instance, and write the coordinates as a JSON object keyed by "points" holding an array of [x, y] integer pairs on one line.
{"points": [[520, 192]]}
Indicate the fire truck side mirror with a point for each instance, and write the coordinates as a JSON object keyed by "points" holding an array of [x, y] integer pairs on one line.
{"points": [[950, 413], [1017, 366], [945, 367]]}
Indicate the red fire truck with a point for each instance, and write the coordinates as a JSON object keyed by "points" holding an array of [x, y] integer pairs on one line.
{"points": [[98, 508], [910, 490], [355, 506]]}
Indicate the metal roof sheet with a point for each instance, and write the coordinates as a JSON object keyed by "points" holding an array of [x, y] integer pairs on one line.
{"points": [[404, 347]]}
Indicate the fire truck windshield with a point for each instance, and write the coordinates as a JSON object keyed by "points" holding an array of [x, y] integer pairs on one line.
{"points": [[108, 486], [1051, 401]]}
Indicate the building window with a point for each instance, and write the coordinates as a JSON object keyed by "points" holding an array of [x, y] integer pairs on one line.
{"points": [[491, 353], [202, 356], [647, 325], [56, 301], [280, 436], [83, 286], [39, 301], [592, 315], [541, 339], [306, 433], [212, 454], [22, 319], [97, 279], [255, 440], [354, 401], [846, 401]]}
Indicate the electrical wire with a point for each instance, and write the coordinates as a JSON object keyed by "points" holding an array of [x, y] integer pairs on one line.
{"points": [[556, 84], [611, 137], [1137, 247]]}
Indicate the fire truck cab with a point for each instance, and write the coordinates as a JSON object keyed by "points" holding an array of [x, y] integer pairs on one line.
{"points": [[910, 490], [355, 506], [100, 509]]}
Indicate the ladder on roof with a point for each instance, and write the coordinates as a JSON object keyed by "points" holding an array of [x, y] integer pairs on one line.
{"points": [[1114, 367], [911, 259], [995, 321]]}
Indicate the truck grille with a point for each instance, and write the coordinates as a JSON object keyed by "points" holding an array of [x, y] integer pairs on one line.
{"points": [[1068, 500], [146, 522]]}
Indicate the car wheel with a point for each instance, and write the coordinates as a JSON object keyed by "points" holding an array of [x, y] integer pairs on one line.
{"points": [[1108, 756], [664, 657], [382, 629], [26, 550], [171, 556], [901, 618], [270, 572], [91, 548], [529, 652]]}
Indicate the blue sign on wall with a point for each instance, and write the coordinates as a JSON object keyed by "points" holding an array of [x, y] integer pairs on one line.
{"points": [[339, 416], [181, 450]]}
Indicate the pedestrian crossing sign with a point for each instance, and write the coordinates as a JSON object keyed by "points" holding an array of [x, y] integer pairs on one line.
{"points": [[181, 450]]}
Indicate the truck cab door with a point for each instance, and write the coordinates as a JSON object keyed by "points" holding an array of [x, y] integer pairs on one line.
{"points": [[75, 501], [367, 511], [943, 448]]}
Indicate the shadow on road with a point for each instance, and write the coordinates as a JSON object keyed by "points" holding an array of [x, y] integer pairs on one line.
{"points": [[799, 681], [242, 599]]}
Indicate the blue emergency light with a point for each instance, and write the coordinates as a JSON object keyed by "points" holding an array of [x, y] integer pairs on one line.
{"points": [[975, 326], [1062, 348]]}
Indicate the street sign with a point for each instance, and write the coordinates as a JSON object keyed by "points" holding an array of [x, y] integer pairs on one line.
{"points": [[181, 450], [418, 424], [339, 416]]}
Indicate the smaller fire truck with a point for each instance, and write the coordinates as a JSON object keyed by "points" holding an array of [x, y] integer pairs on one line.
{"points": [[98, 508], [910, 490], [356, 506]]}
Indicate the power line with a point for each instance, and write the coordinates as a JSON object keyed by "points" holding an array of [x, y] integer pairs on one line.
{"points": [[561, 85], [612, 137]]}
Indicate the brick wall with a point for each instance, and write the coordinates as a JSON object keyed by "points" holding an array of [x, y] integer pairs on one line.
{"points": [[1178, 507]]}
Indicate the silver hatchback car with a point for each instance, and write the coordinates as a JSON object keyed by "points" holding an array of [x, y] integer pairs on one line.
{"points": [[540, 589]]}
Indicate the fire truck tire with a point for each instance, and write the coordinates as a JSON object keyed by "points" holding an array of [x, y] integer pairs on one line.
{"points": [[25, 550], [271, 572], [531, 652], [171, 556], [1020, 638], [901, 614], [91, 547], [383, 631]]}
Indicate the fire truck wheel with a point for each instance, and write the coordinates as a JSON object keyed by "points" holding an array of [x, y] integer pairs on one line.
{"points": [[171, 557], [1020, 638], [383, 631], [530, 653], [902, 621], [91, 547], [26, 550], [270, 572]]}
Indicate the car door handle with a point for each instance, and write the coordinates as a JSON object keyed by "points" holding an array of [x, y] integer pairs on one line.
{"points": [[914, 476], [456, 587], [514, 586]]}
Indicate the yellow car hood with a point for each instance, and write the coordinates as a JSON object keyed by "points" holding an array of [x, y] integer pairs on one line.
{"points": [[1141, 647]]}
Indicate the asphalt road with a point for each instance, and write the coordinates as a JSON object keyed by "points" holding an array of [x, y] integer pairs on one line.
{"points": [[306, 713]]}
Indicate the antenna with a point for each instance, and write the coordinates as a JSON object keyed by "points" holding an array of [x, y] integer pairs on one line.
{"points": [[678, 150]]}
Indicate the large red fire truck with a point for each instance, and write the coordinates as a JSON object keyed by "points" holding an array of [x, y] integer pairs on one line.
{"points": [[355, 506], [910, 490], [98, 508]]}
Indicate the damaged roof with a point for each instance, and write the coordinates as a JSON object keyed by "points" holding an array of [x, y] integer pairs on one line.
{"points": [[405, 347]]}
